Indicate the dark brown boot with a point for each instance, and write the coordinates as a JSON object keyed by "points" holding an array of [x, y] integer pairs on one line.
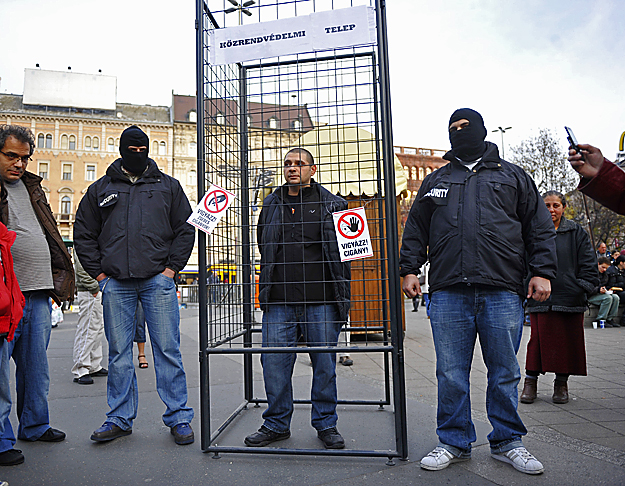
{"points": [[529, 390], [560, 392]]}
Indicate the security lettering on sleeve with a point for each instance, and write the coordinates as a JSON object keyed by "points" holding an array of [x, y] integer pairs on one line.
{"points": [[436, 192], [109, 200]]}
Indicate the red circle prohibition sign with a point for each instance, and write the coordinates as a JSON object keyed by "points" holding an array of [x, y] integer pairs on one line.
{"points": [[361, 226], [216, 197]]}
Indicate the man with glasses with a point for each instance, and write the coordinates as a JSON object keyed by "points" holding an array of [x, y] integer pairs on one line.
{"points": [[131, 235], [304, 290], [44, 269]]}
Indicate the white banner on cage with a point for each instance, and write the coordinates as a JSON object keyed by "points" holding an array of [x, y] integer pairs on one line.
{"points": [[211, 209], [331, 29], [352, 234]]}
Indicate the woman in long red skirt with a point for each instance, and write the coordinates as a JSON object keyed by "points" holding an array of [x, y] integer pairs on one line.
{"points": [[557, 325]]}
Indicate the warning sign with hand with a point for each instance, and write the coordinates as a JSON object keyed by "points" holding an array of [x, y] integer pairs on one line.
{"points": [[352, 234]]}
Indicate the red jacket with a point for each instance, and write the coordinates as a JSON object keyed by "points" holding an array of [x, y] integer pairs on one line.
{"points": [[11, 298], [607, 187]]}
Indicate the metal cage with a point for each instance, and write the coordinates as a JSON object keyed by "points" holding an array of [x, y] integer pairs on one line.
{"points": [[335, 103]]}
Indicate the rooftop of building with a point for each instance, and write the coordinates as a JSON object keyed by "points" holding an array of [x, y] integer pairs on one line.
{"points": [[126, 112]]}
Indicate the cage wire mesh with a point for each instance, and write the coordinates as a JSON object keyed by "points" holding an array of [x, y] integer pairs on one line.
{"points": [[252, 114]]}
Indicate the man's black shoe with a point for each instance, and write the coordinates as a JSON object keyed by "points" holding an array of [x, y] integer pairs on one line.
{"points": [[109, 431], [12, 457], [183, 434], [52, 435], [265, 436], [84, 380], [614, 323], [331, 438], [100, 372]]}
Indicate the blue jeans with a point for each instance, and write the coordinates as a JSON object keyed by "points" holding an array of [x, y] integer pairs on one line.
{"points": [[139, 324], [32, 378], [160, 305], [458, 315], [320, 326]]}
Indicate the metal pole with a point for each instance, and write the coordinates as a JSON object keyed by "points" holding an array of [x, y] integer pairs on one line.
{"points": [[395, 297], [247, 279], [201, 176]]}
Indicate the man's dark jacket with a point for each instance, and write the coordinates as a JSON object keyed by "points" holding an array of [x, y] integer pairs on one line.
{"points": [[269, 236], [62, 267], [128, 230], [484, 226], [616, 277], [578, 275]]}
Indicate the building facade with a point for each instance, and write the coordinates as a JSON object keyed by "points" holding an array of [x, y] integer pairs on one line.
{"points": [[74, 147], [417, 163]]}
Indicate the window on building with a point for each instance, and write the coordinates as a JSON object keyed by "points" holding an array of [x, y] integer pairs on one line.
{"points": [[193, 149], [87, 143], [191, 178], [221, 119], [40, 141], [154, 147], [67, 172], [421, 173], [111, 145], [96, 143], [72, 142], [407, 171], [43, 170], [413, 173], [64, 142], [90, 173], [48, 141], [297, 124], [162, 148], [428, 171], [273, 122], [117, 144], [193, 116], [66, 205]]}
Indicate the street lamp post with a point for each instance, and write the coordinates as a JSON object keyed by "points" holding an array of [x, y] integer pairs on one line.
{"points": [[502, 130]]}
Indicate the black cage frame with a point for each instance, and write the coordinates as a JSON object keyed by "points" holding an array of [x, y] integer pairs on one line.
{"points": [[228, 318]]}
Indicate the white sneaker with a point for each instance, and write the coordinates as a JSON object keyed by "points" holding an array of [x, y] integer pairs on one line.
{"points": [[439, 459], [521, 460]]}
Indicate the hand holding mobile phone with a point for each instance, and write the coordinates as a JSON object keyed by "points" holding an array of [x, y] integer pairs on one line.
{"points": [[572, 140]]}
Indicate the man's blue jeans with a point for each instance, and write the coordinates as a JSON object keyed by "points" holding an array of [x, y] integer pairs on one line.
{"points": [[320, 326], [160, 305], [457, 316], [32, 377]]}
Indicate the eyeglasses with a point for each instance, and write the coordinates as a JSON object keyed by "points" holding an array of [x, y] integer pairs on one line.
{"points": [[11, 156]]}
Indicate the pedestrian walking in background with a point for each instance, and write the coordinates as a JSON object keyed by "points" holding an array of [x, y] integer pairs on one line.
{"points": [[89, 330]]}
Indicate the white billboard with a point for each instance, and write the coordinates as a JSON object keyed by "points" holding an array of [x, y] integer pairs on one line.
{"points": [[65, 88]]}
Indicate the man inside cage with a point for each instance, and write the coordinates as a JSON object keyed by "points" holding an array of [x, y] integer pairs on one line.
{"points": [[131, 235], [304, 289], [489, 215]]}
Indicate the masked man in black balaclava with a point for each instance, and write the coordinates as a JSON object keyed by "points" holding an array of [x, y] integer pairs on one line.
{"points": [[466, 134], [489, 214], [131, 235], [133, 146]]}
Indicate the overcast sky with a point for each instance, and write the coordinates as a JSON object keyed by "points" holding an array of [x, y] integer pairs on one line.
{"points": [[526, 64]]}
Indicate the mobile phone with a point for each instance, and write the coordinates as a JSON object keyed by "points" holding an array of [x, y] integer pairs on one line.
{"points": [[572, 140]]}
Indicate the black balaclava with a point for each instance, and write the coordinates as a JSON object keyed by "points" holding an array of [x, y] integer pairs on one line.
{"points": [[134, 162], [468, 144]]}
